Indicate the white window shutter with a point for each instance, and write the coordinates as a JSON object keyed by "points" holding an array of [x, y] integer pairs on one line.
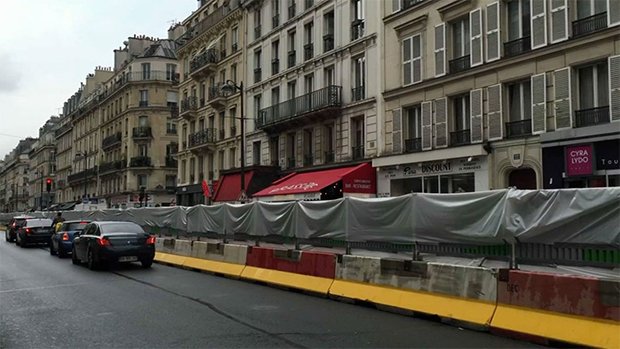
{"points": [[395, 5], [562, 108], [614, 87], [539, 103], [494, 115], [475, 121], [441, 122], [475, 35], [397, 134], [407, 62], [416, 57], [493, 33], [427, 126], [440, 49], [538, 25], [613, 13], [559, 20]]}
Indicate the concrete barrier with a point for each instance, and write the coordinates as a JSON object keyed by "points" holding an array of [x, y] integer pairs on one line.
{"points": [[580, 310], [457, 292], [182, 247]]}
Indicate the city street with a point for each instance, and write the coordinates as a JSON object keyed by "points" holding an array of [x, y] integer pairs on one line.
{"points": [[48, 302]]}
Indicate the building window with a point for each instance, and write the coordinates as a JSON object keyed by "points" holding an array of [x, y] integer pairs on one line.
{"points": [[275, 57], [308, 41], [519, 109], [593, 98], [328, 36], [291, 89], [587, 8], [357, 26], [329, 76], [357, 137], [412, 60], [291, 150], [308, 148], [460, 109], [233, 157], [291, 58], [257, 66], [146, 71], [233, 72], [143, 121], [235, 39], [274, 150], [221, 160], [257, 24], [257, 104], [142, 181], [413, 128], [460, 45], [223, 46], [275, 11], [142, 150], [275, 96], [309, 83], [518, 14], [359, 78], [256, 149], [328, 143], [171, 72], [171, 181], [144, 98]]}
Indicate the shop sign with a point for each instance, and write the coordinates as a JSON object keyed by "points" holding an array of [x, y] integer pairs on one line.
{"points": [[463, 165], [607, 155], [578, 160]]}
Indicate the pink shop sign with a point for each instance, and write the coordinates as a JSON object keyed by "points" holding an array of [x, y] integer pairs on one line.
{"points": [[579, 160]]}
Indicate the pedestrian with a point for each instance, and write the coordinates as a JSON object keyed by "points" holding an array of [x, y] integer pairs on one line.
{"points": [[57, 222]]}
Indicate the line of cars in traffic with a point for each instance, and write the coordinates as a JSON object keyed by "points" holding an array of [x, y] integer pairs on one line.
{"points": [[95, 243]]}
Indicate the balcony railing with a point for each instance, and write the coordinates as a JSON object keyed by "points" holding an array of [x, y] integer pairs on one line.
{"points": [[171, 162], [308, 51], [143, 103], [153, 75], [357, 93], [275, 20], [291, 11], [140, 161], [291, 163], [308, 160], [62, 129], [329, 156], [519, 128], [206, 136], [517, 47], [171, 131], [142, 132], [208, 57], [591, 117], [291, 58], [90, 173], [357, 29], [459, 64], [257, 75], [215, 93], [209, 22], [189, 104], [112, 141], [327, 97], [590, 24], [410, 3], [112, 166], [328, 42], [460, 137], [413, 145], [257, 32], [357, 152], [275, 66]]}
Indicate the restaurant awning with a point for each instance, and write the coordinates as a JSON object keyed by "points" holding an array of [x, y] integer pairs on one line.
{"points": [[359, 179], [229, 187]]}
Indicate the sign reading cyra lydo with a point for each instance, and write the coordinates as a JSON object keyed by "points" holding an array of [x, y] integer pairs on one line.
{"points": [[579, 160]]}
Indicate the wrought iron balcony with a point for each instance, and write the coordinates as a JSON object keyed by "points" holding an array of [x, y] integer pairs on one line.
{"points": [[357, 93], [222, 54], [140, 161], [459, 64], [143, 104], [112, 141], [88, 174], [206, 136], [308, 160], [592, 116], [517, 47], [590, 24], [291, 163], [205, 62], [328, 42], [216, 96], [410, 3], [413, 145], [275, 66], [329, 156], [142, 132], [275, 20], [460, 137], [257, 32], [111, 166], [308, 51], [306, 105], [257, 75], [209, 22], [515, 129], [357, 29], [63, 129], [189, 106], [291, 58], [291, 11], [357, 152]]}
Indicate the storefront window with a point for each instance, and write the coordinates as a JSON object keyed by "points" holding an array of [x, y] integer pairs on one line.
{"points": [[458, 183]]}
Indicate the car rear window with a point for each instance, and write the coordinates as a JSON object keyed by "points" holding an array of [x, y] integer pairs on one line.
{"points": [[74, 226], [121, 228], [39, 222]]}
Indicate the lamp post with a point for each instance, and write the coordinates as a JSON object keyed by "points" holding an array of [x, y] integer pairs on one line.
{"points": [[228, 88]]}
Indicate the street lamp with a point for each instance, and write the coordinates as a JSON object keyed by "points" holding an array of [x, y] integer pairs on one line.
{"points": [[229, 88]]}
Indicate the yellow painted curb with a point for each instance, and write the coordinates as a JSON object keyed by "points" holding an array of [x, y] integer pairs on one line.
{"points": [[170, 258], [469, 310], [569, 328], [214, 266], [283, 278]]}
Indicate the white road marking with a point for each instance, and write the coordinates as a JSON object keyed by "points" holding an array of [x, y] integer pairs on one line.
{"points": [[42, 287]]}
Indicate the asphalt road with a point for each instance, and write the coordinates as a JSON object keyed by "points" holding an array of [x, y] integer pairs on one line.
{"points": [[46, 302]]}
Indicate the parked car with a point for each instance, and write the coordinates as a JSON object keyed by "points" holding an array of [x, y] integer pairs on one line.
{"points": [[35, 231], [102, 243], [14, 224], [62, 241]]}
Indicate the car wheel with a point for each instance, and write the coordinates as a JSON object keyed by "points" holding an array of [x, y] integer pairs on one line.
{"points": [[74, 258], [61, 252], [146, 263], [92, 264]]}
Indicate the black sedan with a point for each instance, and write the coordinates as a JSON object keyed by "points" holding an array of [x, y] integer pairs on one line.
{"points": [[101, 243]]}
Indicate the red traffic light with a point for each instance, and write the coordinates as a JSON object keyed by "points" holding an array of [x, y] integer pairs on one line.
{"points": [[49, 181]]}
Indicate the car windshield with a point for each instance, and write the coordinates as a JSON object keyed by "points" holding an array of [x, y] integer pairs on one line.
{"points": [[78, 226], [121, 228], [39, 222]]}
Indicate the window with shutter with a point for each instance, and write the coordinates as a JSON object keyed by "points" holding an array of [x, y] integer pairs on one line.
{"points": [[412, 128], [539, 103], [475, 102], [441, 122], [412, 60], [395, 6], [493, 37], [562, 103], [494, 116], [613, 13], [427, 126], [440, 49], [397, 141], [614, 87], [475, 34], [559, 20], [538, 10], [593, 95]]}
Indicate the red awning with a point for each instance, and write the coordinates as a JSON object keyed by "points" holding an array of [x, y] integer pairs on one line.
{"points": [[229, 186], [355, 179]]}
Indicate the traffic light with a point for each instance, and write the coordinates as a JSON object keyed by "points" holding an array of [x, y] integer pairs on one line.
{"points": [[48, 183]]}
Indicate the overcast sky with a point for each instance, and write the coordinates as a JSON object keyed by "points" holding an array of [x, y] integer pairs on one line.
{"points": [[47, 47]]}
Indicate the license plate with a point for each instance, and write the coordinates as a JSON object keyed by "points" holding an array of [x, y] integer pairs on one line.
{"points": [[127, 259]]}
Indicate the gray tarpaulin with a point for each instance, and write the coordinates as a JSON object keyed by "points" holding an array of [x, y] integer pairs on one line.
{"points": [[321, 219], [206, 219], [382, 219], [240, 219], [274, 218]]}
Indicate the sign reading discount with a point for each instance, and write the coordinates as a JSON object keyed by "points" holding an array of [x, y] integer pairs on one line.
{"points": [[579, 160]]}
